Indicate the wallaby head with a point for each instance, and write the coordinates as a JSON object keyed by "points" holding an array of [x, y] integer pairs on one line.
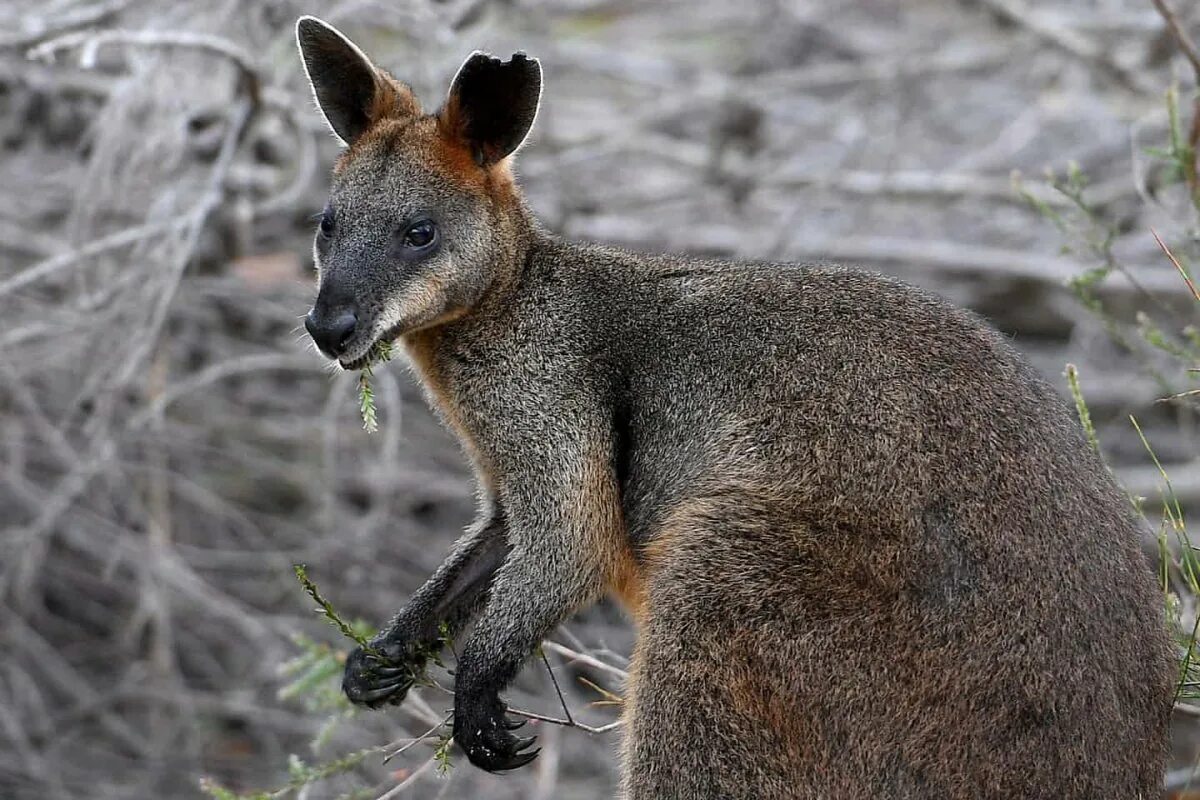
{"points": [[423, 216]]}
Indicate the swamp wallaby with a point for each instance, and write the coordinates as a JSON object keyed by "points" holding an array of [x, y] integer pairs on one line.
{"points": [[868, 550]]}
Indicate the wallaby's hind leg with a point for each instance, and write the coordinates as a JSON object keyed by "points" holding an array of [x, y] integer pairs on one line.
{"points": [[683, 741], [671, 749], [803, 674]]}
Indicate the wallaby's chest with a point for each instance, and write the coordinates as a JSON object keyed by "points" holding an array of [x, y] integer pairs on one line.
{"points": [[443, 385], [496, 400]]}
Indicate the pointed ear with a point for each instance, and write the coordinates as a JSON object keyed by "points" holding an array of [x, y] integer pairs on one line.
{"points": [[351, 92], [492, 105]]}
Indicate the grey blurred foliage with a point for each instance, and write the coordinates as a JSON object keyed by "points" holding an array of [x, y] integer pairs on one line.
{"points": [[171, 445]]}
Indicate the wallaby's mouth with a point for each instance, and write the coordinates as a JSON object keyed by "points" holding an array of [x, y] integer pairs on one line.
{"points": [[359, 362], [353, 366]]}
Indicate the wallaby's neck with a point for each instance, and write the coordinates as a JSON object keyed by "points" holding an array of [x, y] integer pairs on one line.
{"points": [[522, 235]]}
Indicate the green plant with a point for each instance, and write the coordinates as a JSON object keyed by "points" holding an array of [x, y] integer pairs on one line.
{"points": [[315, 681], [441, 754], [1161, 330], [379, 354], [326, 608]]}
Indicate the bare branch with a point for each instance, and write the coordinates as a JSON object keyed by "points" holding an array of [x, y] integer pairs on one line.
{"points": [[91, 41], [74, 18], [584, 658], [1067, 40], [1180, 35]]}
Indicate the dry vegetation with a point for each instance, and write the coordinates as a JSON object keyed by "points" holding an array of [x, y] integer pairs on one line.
{"points": [[171, 446]]}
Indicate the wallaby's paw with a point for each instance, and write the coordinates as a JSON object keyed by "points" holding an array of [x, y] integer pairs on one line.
{"points": [[482, 731], [376, 680]]}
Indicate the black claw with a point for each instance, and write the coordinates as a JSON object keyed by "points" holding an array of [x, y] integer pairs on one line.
{"points": [[375, 679], [513, 762], [515, 724], [516, 762], [383, 691], [389, 672], [521, 744]]}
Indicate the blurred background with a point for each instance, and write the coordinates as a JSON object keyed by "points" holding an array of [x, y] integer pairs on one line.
{"points": [[170, 445]]}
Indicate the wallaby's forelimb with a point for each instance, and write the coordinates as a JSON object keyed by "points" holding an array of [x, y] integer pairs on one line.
{"points": [[439, 609], [458, 588], [550, 572]]}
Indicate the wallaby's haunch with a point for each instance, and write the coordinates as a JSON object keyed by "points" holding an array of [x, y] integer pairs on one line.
{"points": [[868, 550]]}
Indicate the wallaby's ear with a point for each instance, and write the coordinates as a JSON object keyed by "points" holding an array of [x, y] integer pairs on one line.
{"points": [[492, 105], [351, 92]]}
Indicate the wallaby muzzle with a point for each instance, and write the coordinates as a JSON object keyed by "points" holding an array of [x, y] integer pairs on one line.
{"points": [[332, 323]]}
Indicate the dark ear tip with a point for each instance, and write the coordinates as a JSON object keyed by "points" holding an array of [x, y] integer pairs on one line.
{"points": [[313, 31], [519, 60], [306, 25], [523, 59], [481, 59]]}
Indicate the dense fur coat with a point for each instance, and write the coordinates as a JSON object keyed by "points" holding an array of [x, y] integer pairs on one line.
{"points": [[869, 552]]}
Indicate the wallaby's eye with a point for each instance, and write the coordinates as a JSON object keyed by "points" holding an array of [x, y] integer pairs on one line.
{"points": [[326, 226], [420, 236], [416, 240]]}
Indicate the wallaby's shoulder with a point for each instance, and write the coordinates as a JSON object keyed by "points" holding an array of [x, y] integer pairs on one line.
{"points": [[798, 296]]}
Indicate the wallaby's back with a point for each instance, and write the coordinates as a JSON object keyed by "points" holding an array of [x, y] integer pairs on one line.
{"points": [[881, 558]]}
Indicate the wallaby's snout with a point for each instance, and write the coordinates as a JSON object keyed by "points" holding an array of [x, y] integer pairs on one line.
{"points": [[331, 329], [423, 216]]}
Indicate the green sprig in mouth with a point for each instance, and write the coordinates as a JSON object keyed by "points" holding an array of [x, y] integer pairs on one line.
{"points": [[380, 353]]}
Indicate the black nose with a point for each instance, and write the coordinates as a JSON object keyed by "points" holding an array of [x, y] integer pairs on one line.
{"points": [[331, 331]]}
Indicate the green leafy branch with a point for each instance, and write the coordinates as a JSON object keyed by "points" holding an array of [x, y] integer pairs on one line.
{"points": [[379, 354], [326, 609], [300, 775]]}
